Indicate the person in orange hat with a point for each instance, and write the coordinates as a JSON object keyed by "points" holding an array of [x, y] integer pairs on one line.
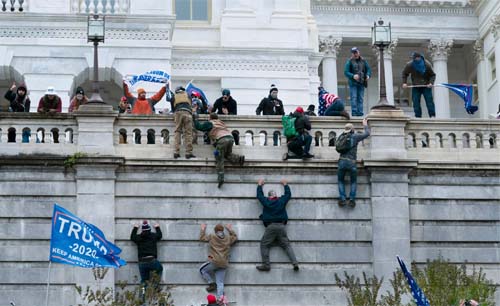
{"points": [[140, 104]]}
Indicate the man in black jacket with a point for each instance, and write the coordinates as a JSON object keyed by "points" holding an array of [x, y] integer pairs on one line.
{"points": [[19, 100], [225, 105], [300, 145], [147, 250], [275, 218], [271, 105]]}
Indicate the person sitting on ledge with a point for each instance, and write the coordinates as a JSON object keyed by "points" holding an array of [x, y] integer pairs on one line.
{"points": [[300, 144]]}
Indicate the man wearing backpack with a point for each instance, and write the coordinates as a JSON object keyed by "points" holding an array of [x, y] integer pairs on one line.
{"points": [[299, 142], [347, 146]]}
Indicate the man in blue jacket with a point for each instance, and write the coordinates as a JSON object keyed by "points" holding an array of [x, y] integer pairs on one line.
{"points": [[358, 72], [275, 219]]}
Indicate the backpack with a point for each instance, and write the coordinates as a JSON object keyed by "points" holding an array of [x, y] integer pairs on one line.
{"points": [[289, 126], [344, 143]]}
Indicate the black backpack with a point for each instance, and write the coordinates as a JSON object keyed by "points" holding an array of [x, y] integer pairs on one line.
{"points": [[344, 142]]}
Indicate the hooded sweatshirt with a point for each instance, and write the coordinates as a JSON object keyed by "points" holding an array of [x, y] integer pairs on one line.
{"points": [[218, 248], [143, 106], [18, 104]]}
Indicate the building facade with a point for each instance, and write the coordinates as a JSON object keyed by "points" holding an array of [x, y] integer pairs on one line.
{"points": [[248, 45]]}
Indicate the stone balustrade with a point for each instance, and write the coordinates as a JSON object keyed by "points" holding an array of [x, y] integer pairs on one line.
{"points": [[450, 140], [14, 5], [100, 6]]}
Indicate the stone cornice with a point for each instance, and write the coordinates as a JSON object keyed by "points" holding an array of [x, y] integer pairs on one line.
{"points": [[38, 32], [329, 45], [394, 9], [239, 65], [440, 48]]}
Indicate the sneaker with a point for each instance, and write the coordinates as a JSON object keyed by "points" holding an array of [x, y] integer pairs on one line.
{"points": [[352, 203], [342, 203], [295, 267], [345, 114], [188, 156], [211, 287], [176, 155], [263, 268]]}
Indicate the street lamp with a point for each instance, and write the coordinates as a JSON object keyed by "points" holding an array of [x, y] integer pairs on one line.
{"points": [[381, 37], [95, 34]]}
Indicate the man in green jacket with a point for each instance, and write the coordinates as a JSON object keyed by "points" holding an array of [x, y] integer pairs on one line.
{"points": [[223, 141]]}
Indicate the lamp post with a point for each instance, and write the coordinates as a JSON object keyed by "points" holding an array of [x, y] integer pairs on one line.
{"points": [[95, 34], [381, 37]]}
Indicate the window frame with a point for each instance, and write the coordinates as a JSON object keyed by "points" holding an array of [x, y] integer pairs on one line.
{"points": [[191, 21]]}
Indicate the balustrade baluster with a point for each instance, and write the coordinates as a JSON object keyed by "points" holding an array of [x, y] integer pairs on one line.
{"points": [[108, 8], [75, 6], [100, 7]]}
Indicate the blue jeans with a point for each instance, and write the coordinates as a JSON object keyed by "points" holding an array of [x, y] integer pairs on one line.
{"points": [[335, 109], [345, 166], [305, 140], [145, 269], [207, 270], [416, 93], [357, 93]]}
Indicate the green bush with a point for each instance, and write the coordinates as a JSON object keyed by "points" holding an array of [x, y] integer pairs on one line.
{"points": [[443, 283]]}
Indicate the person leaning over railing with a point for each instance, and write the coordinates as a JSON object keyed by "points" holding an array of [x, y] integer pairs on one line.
{"points": [[78, 100], [50, 103], [19, 100]]}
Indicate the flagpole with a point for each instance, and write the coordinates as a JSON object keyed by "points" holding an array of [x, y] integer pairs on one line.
{"points": [[437, 85], [48, 285]]}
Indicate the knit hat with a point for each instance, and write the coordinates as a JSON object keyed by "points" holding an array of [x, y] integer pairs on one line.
{"points": [[211, 299], [141, 91], [79, 90], [311, 107], [273, 88], [145, 226], [299, 110], [226, 92], [219, 228], [123, 99]]}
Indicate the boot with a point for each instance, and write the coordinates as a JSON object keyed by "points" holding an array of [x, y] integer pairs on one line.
{"points": [[176, 155], [220, 180], [351, 203], [211, 287], [242, 160], [296, 267], [345, 114], [342, 203], [190, 155], [263, 267]]}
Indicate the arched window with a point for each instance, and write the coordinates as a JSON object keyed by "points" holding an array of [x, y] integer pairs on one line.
{"points": [[11, 135], [26, 135], [151, 136], [137, 136], [249, 138], [332, 137], [466, 140], [263, 138], [318, 139], [439, 140], [165, 137], [453, 140]]}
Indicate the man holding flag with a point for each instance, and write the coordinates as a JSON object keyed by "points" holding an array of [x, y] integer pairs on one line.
{"points": [[422, 78]]}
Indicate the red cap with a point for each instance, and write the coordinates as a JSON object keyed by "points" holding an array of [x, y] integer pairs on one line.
{"points": [[299, 110], [124, 99], [211, 299]]}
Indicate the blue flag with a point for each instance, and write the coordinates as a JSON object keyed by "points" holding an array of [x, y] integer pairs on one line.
{"points": [[77, 243], [190, 88], [417, 293], [466, 93], [153, 76]]}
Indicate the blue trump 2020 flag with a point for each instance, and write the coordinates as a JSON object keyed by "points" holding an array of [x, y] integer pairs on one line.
{"points": [[78, 243], [417, 293], [190, 88], [466, 93]]}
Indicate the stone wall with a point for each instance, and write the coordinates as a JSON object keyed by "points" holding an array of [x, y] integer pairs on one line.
{"points": [[416, 201]]}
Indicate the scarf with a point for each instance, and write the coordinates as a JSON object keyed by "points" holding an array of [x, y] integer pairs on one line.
{"points": [[419, 66]]}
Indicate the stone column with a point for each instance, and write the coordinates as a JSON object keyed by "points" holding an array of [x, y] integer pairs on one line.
{"points": [[389, 170], [496, 35], [482, 86], [330, 47], [440, 50], [389, 79]]}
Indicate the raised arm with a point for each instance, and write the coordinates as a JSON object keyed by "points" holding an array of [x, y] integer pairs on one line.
{"points": [[133, 236], [232, 235], [126, 91], [159, 234], [203, 235], [157, 97]]}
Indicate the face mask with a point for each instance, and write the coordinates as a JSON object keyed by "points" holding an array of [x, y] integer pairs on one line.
{"points": [[220, 234], [274, 95]]}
